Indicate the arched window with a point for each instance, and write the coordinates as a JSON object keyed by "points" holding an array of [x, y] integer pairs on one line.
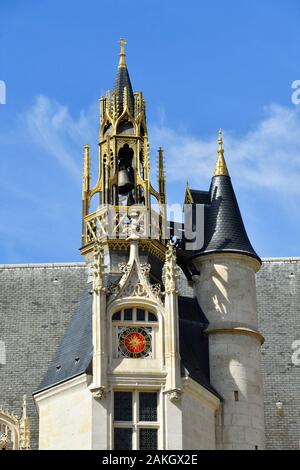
{"points": [[135, 315], [125, 127]]}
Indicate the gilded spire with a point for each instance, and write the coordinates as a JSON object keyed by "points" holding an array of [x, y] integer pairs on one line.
{"points": [[24, 427], [221, 168], [161, 170], [122, 62], [161, 176], [86, 171]]}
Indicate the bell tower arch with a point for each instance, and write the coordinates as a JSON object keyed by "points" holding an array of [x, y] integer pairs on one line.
{"points": [[123, 185]]}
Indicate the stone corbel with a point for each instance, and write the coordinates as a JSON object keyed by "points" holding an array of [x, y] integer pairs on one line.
{"points": [[175, 395], [98, 393]]}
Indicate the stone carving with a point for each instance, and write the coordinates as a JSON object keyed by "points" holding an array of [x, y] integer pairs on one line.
{"points": [[135, 279], [14, 431], [170, 270], [145, 268], [156, 289], [24, 428], [98, 269], [3, 441], [98, 393], [175, 395]]}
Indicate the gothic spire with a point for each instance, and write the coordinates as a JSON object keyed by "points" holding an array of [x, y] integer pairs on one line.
{"points": [[224, 228], [221, 167], [123, 81]]}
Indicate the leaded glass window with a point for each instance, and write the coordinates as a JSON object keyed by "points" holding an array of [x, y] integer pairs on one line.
{"points": [[140, 314], [123, 406], [148, 439], [148, 406], [123, 438], [151, 317], [116, 316], [128, 314], [132, 410], [135, 315]]}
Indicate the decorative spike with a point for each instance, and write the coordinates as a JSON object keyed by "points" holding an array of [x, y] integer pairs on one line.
{"points": [[24, 427], [107, 102], [86, 172], [161, 176], [125, 97], [122, 62], [24, 407], [161, 171], [115, 104], [221, 167]]}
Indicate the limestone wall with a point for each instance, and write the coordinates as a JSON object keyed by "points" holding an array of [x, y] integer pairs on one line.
{"points": [[65, 414], [198, 423], [226, 292]]}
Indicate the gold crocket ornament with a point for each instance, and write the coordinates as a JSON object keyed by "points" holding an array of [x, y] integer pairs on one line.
{"points": [[24, 427]]}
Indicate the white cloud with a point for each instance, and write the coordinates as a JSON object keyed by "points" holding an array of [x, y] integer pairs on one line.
{"points": [[266, 157], [51, 126]]}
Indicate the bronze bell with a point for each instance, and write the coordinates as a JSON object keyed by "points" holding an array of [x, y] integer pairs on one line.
{"points": [[125, 178]]}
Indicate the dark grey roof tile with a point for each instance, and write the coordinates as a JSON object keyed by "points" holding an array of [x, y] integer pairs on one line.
{"points": [[74, 354]]}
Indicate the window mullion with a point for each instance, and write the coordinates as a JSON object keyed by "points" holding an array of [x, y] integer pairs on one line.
{"points": [[135, 437]]}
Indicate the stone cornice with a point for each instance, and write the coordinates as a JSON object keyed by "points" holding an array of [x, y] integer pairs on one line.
{"points": [[235, 330], [68, 384]]}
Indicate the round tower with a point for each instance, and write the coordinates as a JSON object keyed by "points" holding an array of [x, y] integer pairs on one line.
{"points": [[226, 291]]}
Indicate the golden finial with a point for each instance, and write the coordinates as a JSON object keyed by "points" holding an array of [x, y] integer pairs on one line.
{"points": [[161, 176], [122, 43], [86, 171], [161, 171], [221, 168], [24, 427], [24, 407]]}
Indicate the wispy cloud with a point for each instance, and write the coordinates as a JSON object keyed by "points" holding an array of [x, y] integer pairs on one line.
{"points": [[267, 157], [263, 162], [51, 126]]}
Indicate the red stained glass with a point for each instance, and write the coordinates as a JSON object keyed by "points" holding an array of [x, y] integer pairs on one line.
{"points": [[135, 342]]}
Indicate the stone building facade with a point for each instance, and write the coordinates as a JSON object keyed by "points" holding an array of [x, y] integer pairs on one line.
{"points": [[152, 342]]}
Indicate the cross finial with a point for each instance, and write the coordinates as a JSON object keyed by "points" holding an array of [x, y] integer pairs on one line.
{"points": [[221, 168], [122, 43], [220, 140]]}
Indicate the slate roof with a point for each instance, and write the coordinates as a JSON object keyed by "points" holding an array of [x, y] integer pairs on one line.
{"points": [[224, 229], [36, 306], [74, 355], [122, 81], [193, 342], [200, 197]]}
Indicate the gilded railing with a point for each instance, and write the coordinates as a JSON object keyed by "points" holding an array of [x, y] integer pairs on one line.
{"points": [[113, 222]]}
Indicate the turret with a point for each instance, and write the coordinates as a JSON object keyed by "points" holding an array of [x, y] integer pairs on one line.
{"points": [[226, 291]]}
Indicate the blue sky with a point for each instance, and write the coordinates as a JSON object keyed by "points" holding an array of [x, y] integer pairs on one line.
{"points": [[201, 65]]}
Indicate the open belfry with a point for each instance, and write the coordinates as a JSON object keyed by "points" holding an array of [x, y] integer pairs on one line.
{"points": [[151, 342]]}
